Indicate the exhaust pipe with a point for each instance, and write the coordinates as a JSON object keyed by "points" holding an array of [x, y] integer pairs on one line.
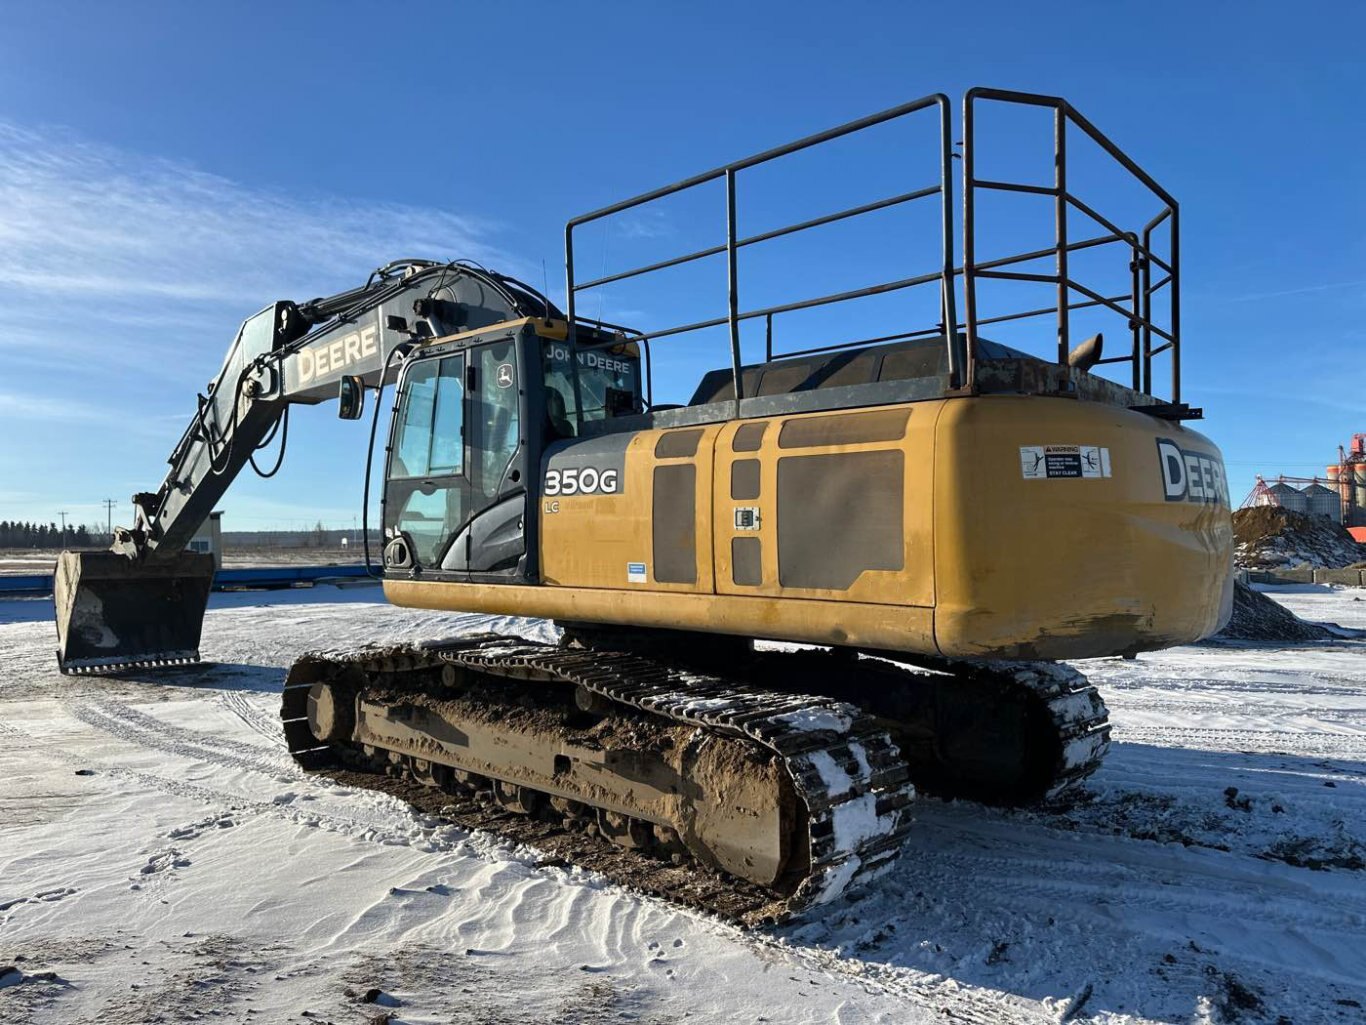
{"points": [[114, 613]]}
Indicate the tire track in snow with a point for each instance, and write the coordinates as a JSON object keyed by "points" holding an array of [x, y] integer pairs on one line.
{"points": [[256, 718], [16, 739], [1176, 709], [1042, 865], [396, 826], [405, 827], [1351, 746], [142, 730], [1265, 681]]}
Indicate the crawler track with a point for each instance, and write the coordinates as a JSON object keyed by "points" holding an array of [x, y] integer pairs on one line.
{"points": [[845, 769], [833, 723], [1063, 727]]}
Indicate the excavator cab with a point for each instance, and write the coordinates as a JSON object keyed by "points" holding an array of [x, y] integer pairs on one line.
{"points": [[475, 415]]}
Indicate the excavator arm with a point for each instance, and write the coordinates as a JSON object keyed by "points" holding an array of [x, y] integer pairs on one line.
{"points": [[142, 602]]}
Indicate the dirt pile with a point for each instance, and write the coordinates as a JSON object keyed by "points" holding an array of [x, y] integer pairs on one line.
{"points": [[1259, 618], [1269, 537]]}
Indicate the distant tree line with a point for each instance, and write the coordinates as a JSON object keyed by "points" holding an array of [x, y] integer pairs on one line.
{"points": [[315, 537], [14, 534]]}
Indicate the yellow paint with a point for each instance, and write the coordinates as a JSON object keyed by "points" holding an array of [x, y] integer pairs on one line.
{"points": [[1069, 567], [557, 330], [589, 540], [912, 585], [995, 565], [506, 329]]}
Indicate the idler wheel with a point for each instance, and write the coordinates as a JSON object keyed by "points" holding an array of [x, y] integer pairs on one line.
{"points": [[331, 713]]}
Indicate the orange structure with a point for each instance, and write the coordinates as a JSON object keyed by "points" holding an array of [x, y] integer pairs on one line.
{"points": [[1350, 477]]}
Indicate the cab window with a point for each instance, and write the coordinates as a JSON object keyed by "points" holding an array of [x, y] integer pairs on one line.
{"points": [[608, 385], [431, 435], [495, 412], [426, 492]]}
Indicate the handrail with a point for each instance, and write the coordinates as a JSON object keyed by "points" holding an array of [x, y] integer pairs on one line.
{"points": [[734, 315], [1138, 313], [791, 229], [960, 337]]}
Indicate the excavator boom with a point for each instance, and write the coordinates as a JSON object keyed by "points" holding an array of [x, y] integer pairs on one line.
{"points": [[142, 603]]}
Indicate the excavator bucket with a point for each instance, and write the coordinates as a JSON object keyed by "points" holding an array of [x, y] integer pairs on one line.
{"points": [[114, 613]]}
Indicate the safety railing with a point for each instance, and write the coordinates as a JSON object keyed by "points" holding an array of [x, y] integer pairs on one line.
{"points": [[1138, 313], [1136, 305], [942, 274]]}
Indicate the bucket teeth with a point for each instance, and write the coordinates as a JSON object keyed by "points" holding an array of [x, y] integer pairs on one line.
{"points": [[115, 614]]}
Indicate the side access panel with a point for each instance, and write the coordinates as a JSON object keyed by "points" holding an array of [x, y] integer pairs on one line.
{"points": [[630, 511], [831, 505]]}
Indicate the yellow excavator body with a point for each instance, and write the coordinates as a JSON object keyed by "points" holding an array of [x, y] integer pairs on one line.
{"points": [[1007, 526]]}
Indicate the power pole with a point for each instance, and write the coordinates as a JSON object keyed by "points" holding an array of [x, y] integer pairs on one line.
{"points": [[109, 518], [62, 514]]}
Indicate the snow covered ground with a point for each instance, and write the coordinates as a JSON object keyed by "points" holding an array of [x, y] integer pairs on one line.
{"points": [[161, 859]]}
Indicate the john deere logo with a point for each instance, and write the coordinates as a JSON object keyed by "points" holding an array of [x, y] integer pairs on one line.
{"points": [[504, 376], [1191, 476]]}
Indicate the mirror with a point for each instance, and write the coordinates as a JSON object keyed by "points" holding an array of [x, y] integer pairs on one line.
{"points": [[351, 397]]}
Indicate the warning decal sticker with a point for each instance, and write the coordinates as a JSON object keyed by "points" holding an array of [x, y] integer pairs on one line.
{"points": [[1044, 462]]}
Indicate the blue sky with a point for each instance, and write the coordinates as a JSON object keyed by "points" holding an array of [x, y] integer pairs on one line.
{"points": [[167, 170]]}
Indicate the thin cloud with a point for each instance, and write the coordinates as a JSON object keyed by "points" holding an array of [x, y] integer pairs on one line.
{"points": [[35, 407], [1303, 290], [643, 223], [103, 224], [112, 261], [123, 278], [74, 411]]}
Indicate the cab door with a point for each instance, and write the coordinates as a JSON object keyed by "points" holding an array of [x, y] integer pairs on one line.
{"points": [[492, 542], [455, 497], [427, 494]]}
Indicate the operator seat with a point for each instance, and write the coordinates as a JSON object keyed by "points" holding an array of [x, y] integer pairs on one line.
{"points": [[557, 415]]}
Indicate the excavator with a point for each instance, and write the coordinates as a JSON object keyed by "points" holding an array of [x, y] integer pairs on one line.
{"points": [[830, 579]]}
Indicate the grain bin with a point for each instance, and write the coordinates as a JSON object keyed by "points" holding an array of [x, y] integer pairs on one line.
{"points": [[1322, 501], [1286, 497]]}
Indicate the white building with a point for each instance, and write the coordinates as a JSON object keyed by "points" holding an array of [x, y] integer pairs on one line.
{"points": [[209, 540]]}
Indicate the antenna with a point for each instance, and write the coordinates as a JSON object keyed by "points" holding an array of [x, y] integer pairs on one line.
{"points": [[602, 292]]}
